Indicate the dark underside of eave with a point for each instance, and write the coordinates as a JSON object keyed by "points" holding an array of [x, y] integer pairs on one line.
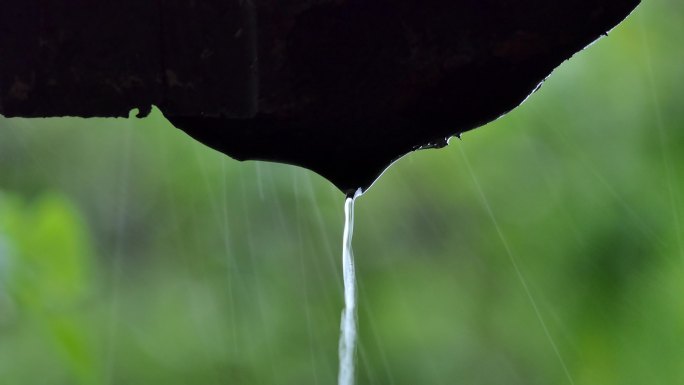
{"points": [[340, 87]]}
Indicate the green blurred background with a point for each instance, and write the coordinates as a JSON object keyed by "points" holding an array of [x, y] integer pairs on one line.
{"points": [[544, 248]]}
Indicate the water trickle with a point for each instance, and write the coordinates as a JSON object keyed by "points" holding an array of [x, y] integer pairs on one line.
{"points": [[348, 322]]}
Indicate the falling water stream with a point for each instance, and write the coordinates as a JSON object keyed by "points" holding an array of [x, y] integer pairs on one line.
{"points": [[348, 322]]}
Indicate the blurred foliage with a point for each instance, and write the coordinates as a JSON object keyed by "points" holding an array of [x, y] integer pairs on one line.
{"points": [[45, 264], [544, 248]]}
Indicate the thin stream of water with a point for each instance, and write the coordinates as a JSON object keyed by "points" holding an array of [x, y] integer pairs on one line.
{"points": [[348, 323]]}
